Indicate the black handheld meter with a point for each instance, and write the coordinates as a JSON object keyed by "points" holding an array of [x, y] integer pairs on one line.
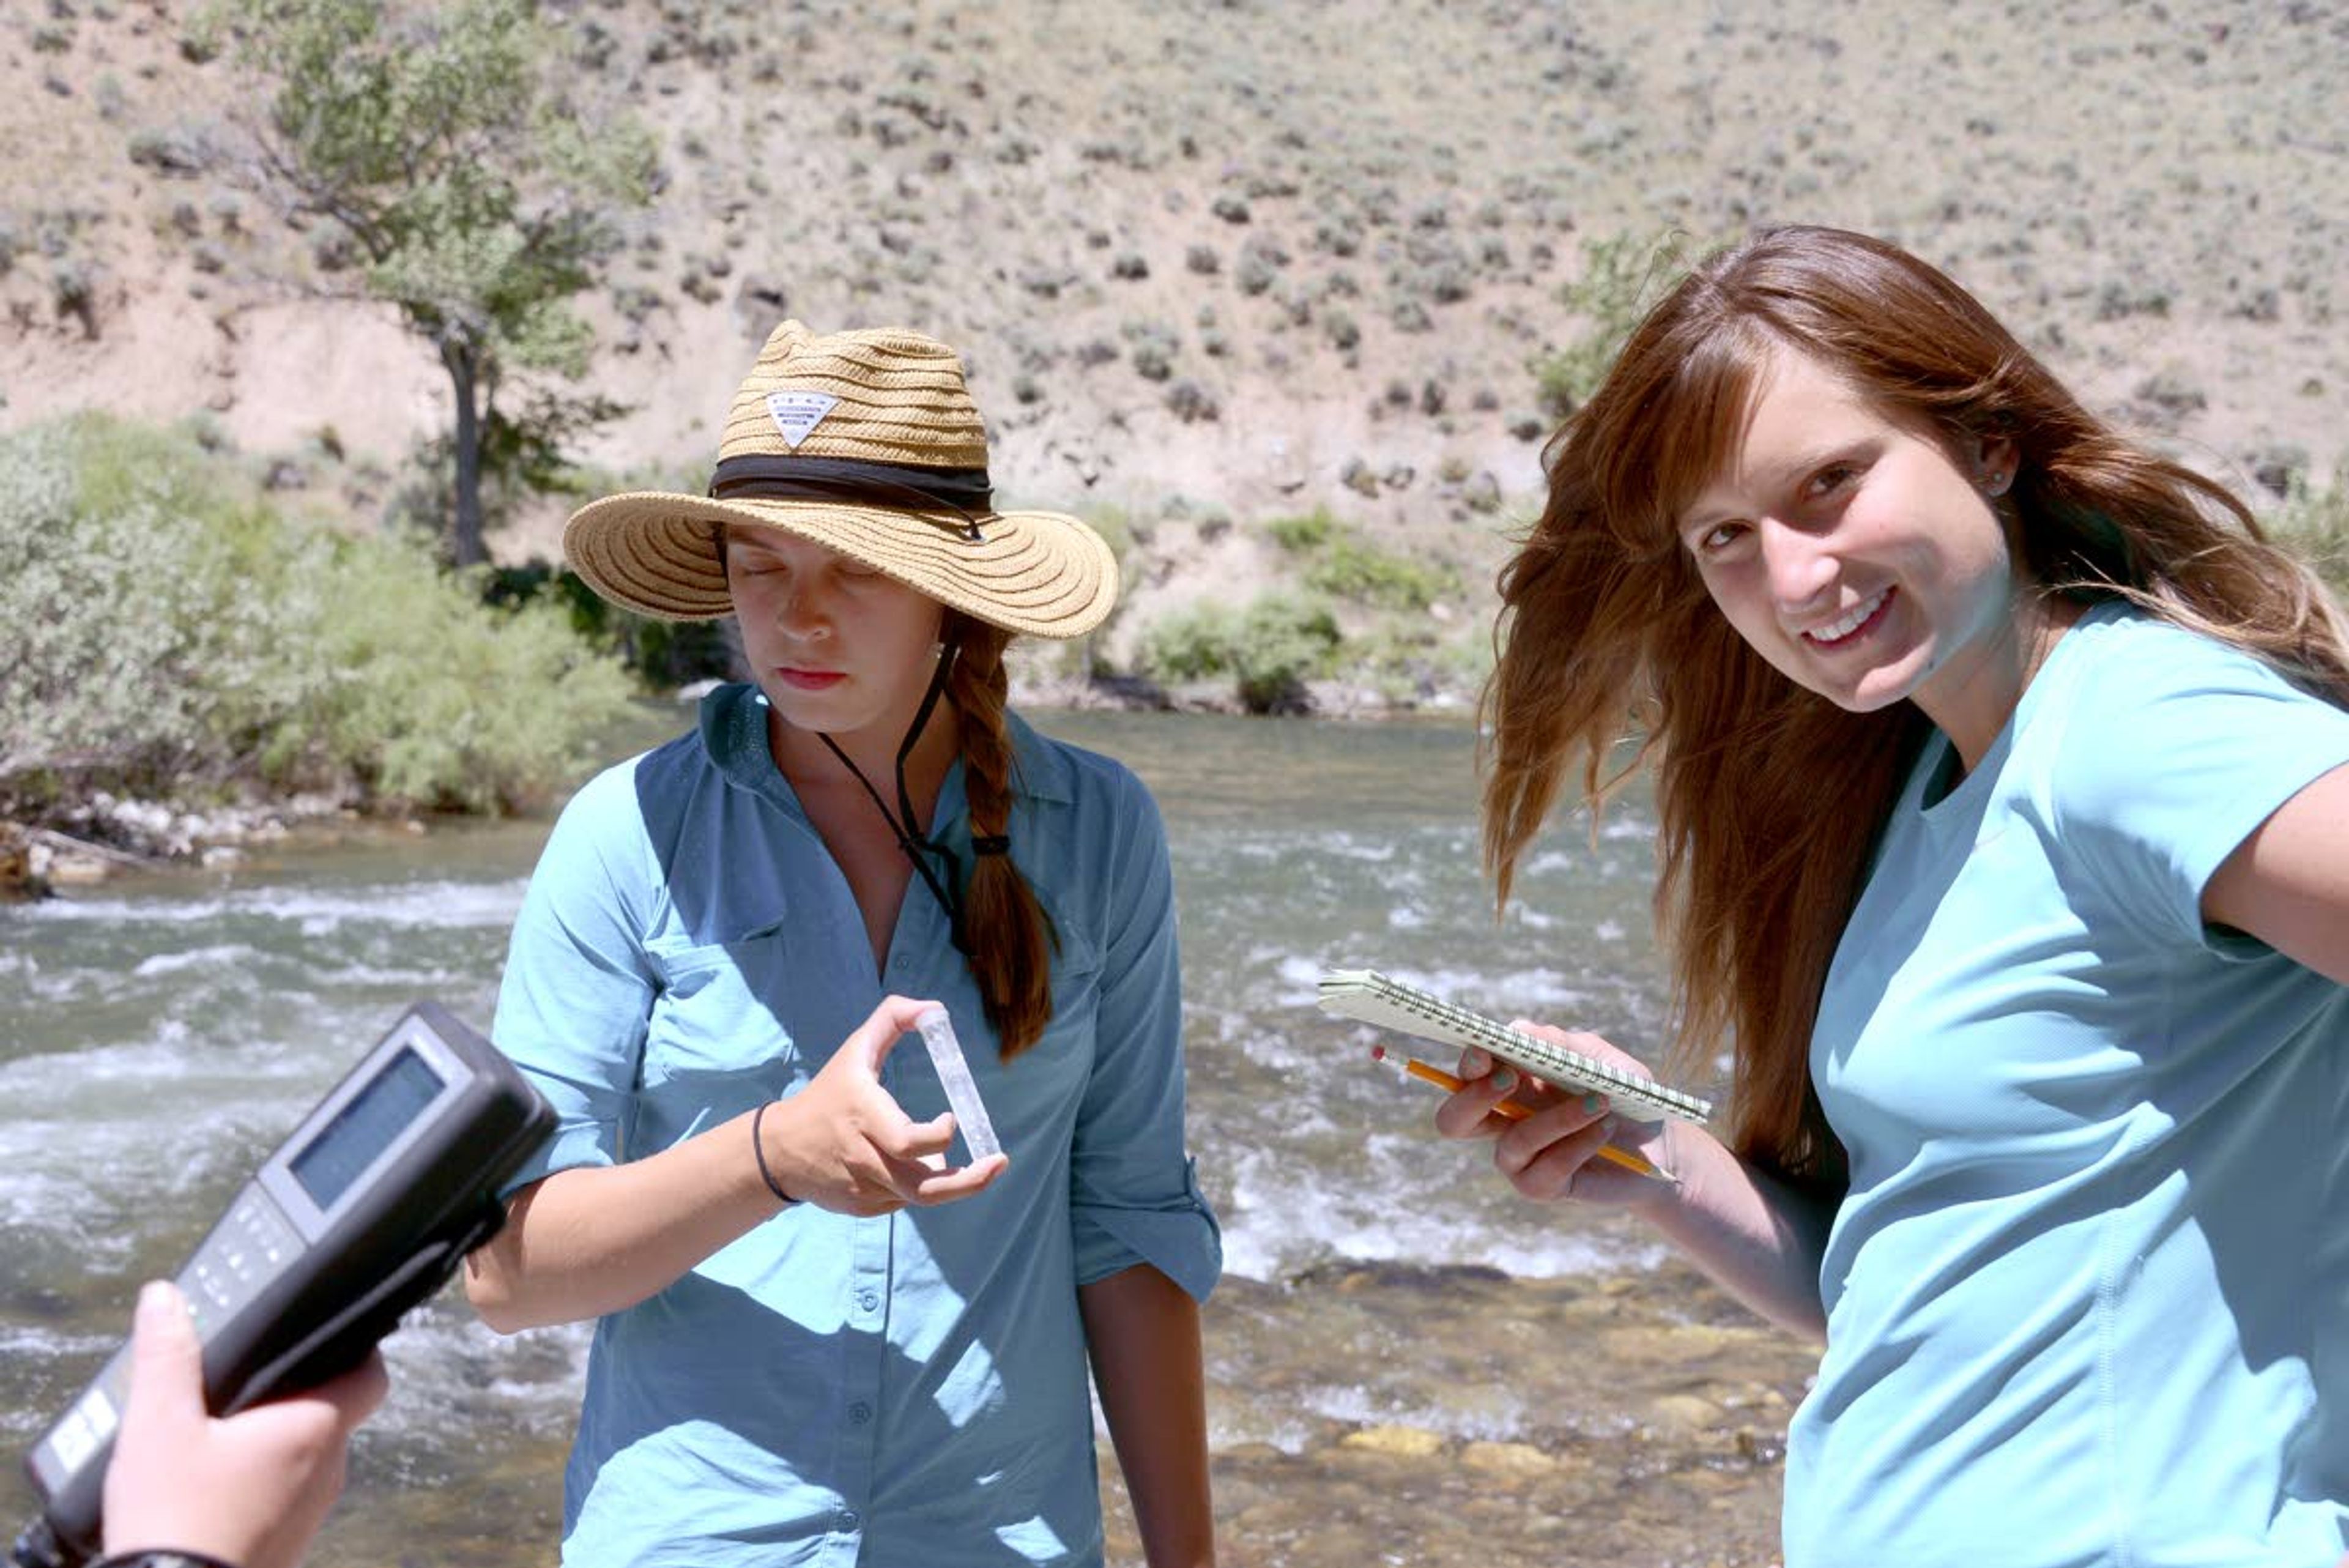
{"points": [[365, 1210]]}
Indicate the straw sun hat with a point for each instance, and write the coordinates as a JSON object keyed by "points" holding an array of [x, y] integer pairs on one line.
{"points": [[867, 443]]}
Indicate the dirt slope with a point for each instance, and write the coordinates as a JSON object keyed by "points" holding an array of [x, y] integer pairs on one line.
{"points": [[1217, 263]]}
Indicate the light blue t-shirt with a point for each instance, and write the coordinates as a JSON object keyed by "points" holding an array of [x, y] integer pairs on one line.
{"points": [[2088, 1298], [909, 1389]]}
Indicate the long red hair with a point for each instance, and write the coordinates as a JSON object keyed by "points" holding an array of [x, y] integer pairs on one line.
{"points": [[1769, 797]]}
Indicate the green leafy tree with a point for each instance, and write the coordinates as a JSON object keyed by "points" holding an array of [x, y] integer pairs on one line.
{"points": [[1622, 275], [445, 141]]}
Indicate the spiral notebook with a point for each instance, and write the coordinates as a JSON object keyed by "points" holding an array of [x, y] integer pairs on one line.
{"points": [[1370, 997]]}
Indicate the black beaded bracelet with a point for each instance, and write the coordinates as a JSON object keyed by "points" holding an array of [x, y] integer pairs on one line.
{"points": [[758, 1152]]}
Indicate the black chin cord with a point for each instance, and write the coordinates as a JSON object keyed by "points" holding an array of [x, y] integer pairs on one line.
{"points": [[946, 889]]}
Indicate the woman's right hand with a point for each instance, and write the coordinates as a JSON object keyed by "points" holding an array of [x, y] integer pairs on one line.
{"points": [[1756, 1234], [1553, 1152], [843, 1144]]}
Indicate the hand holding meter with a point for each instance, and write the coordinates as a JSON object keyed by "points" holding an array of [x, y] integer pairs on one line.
{"points": [[250, 1489], [365, 1210]]}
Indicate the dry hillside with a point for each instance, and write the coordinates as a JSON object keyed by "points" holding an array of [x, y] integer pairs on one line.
{"points": [[1214, 264]]}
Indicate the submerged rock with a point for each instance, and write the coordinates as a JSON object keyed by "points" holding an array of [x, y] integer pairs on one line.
{"points": [[18, 882]]}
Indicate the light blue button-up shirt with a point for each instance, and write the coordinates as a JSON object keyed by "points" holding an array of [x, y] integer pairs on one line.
{"points": [[908, 1390]]}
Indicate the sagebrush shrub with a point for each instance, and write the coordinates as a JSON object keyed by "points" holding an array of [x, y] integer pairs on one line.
{"points": [[170, 633], [2315, 523], [1269, 648]]}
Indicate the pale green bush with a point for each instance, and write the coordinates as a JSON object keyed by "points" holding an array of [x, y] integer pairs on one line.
{"points": [[1341, 563], [2315, 523], [1622, 275], [171, 634], [1354, 569], [1269, 648], [115, 601]]}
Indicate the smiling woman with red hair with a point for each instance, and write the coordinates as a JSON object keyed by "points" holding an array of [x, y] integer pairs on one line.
{"points": [[2002, 773]]}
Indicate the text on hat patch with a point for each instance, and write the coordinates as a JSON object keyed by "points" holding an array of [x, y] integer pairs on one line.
{"points": [[797, 413]]}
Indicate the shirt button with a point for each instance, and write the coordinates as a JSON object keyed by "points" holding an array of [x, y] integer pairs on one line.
{"points": [[867, 1300], [860, 1412]]}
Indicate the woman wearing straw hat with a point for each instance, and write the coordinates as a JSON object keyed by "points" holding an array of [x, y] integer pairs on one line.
{"points": [[2003, 820], [816, 1342]]}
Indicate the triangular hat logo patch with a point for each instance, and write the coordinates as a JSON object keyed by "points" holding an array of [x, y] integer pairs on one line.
{"points": [[797, 413]]}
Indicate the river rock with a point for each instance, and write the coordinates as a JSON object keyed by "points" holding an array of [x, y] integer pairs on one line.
{"points": [[76, 871], [1506, 1459], [1684, 1412], [17, 878], [1406, 1442]]}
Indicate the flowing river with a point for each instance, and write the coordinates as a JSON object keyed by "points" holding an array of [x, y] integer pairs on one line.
{"points": [[1408, 1364]]}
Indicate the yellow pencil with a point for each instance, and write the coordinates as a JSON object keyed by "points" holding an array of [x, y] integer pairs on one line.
{"points": [[1427, 1072]]}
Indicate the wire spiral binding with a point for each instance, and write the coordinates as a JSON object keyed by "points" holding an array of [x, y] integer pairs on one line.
{"points": [[1372, 998]]}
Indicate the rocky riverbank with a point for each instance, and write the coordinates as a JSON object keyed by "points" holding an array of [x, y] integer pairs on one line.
{"points": [[107, 834]]}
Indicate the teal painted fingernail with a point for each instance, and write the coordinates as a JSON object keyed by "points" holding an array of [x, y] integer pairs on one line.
{"points": [[1592, 1101]]}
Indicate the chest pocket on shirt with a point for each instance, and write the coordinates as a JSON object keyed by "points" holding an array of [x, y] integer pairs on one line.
{"points": [[1051, 1074], [714, 1033]]}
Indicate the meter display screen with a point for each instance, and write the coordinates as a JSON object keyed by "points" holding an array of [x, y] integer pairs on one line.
{"points": [[363, 1128]]}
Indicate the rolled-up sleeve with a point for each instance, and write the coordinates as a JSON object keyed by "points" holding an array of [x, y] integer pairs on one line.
{"points": [[573, 1003], [1134, 1192]]}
